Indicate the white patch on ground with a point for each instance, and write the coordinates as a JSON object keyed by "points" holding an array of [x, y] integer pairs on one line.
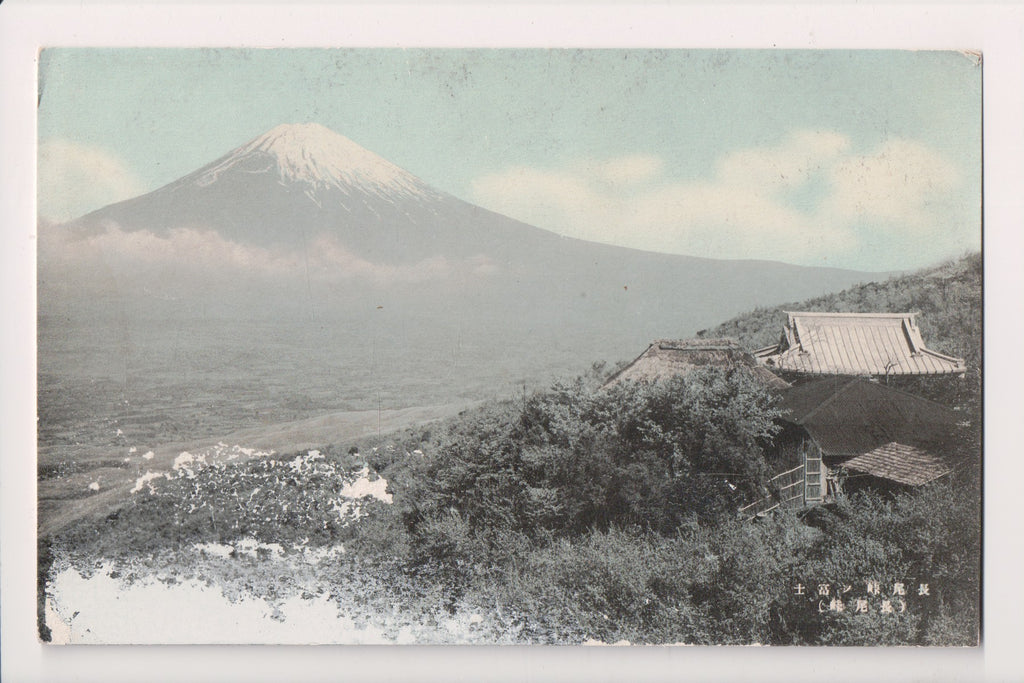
{"points": [[147, 480], [120, 433], [302, 463], [345, 508], [184, 462], [184, 458], [215, 549], [148, 455], [132, 450], [95, 486], [362, 487], [100, 609], [463, 623]]}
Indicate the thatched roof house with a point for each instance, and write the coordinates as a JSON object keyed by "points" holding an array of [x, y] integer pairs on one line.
{"points": [[858, 344], [666, 358]]}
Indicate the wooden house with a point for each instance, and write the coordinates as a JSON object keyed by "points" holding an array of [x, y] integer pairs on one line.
{"points": [[855, 344], [838, 433], [666, 358]]}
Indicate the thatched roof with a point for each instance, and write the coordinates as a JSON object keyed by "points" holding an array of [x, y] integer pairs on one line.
{"points": [[848, 417], [860, 344], [666, 358], [899, 463]]}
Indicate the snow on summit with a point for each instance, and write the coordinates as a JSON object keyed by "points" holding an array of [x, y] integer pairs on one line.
{"points": [[315, 155]]}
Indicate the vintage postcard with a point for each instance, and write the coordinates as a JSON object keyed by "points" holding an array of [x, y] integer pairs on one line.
{"points": [[509, 346]]}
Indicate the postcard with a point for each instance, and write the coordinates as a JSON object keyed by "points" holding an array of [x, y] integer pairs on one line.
{"points": [[509, 346]]}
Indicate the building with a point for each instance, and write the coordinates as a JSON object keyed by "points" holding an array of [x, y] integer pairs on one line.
{"points": [[856, 344], [666, 358], [842, 433]]}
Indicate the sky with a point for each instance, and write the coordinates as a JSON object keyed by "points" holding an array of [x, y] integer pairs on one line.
{"points": [[868, 160]]}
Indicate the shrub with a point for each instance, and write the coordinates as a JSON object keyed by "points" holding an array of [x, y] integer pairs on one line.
{"points": [[577, 457], [619, 584]]}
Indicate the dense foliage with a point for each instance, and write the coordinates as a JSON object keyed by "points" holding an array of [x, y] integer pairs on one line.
{"points": [[587, 514], [580, 457]]}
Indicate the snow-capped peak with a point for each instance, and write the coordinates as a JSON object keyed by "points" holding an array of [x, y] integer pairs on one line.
{"points": [[315, 155]]}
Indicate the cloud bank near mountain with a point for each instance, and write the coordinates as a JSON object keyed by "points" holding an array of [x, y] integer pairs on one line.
{"points": [[197, 255], [813, 198]]}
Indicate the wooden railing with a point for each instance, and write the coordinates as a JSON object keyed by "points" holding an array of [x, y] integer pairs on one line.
{"points": [[787, 492]]}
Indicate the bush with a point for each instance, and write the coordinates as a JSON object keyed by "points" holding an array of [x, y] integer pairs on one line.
{"points": [[578, 458], [928, 536], [620, 584]]}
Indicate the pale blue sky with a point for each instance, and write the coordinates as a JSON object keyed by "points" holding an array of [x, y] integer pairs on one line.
{"points": [[858, 159]]}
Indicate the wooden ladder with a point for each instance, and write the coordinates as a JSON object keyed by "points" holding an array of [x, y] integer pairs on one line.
{"points": [[814, 477]]}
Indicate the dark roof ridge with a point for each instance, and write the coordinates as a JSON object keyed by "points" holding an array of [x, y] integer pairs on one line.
{"points": [[615, 375], [835, 394], [914, 396], [850, 381]]}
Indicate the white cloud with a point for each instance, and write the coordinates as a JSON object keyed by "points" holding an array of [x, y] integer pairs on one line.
{"points": [[75, 179], [791, 163], [629, 170], [899, 182], [186, 254], [811, 198]]}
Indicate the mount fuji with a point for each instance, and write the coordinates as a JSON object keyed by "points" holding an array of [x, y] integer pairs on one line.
{"points": [[303, 225], [299, 182]]}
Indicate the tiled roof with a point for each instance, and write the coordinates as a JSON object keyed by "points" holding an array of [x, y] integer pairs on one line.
{"points": [[666, 358], [856, 344], [900, 463], [848, 417]]}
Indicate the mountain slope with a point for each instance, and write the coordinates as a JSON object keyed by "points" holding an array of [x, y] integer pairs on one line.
{"points": [[297, 182], [302, 216]]}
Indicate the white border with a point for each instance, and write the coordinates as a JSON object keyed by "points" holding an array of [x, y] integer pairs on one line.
{"points": [[996, 29]]}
